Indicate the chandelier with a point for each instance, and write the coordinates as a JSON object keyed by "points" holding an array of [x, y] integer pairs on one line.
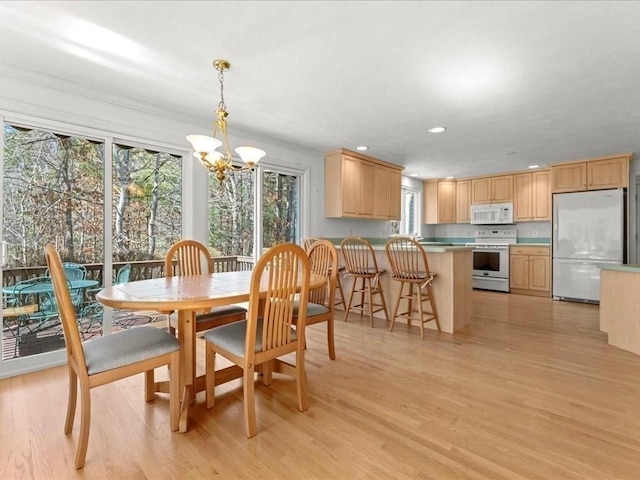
{"points": [[205, 147]]}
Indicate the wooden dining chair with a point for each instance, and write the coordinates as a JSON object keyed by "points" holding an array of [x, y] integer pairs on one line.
{"points": [[362, 267], [104, 360], [409, 266], [268, 331], [190, 257], [338, 299], [323, 259]]}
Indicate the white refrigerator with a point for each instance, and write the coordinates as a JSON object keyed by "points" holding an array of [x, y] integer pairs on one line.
{"points": [[588, 229]]}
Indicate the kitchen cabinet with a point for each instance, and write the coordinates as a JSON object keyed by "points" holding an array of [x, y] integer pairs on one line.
{"points": [[532, 196], [358, 186], [463, 201], [386, 182], [596, 174], [530, 270], [497, 189], [439, 201]]}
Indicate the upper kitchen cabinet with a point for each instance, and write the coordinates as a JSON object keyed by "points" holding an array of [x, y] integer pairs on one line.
{"points": [[532, 196], [358, 186], [439, 201], [596, 174], [463, 201], [492, 189]]}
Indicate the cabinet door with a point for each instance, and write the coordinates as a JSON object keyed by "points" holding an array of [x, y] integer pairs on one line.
{"points": [[541, 196], [381, 188], [350, 186], [463, 201], [610, 173], [481, 190], [446, 202], [569, 178], [519, 271], [539, 274], [522, 197], [395, 194], [367, 191], [502, 189]]}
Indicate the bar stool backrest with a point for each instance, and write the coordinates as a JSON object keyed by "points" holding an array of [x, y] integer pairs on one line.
{"points": [[359, 257]]}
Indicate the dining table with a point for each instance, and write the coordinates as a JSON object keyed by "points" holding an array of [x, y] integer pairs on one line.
{"points": [[188, 295]]}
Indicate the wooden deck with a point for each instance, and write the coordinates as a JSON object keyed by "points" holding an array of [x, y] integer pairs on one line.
{"points": [[531, 390], [51, 337]]}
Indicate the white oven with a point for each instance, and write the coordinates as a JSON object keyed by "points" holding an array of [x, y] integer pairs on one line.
{"points": [[491, 259]]}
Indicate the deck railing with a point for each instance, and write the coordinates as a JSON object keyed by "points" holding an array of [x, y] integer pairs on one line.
{"points": [[140, 270]]}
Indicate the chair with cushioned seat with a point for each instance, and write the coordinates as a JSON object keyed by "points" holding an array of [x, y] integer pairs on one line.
{"points": [[268, 332], [106, 359], [323, 258], [409, 266], [362, 267]]}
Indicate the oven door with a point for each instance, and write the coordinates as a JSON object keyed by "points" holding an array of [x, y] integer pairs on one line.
{"points": [[491, 261]]}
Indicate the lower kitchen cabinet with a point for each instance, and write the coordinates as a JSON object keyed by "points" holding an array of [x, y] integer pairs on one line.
{"points": [[530, 270]]}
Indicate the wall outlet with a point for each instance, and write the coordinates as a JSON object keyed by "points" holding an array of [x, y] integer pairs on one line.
{"points": [[535, 233]]}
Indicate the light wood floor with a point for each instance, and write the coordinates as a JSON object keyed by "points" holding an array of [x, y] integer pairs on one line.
{"points": [[530, 391]]}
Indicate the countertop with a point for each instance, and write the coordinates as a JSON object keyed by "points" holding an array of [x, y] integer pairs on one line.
{"points": [[530, 244], [631, 268]]}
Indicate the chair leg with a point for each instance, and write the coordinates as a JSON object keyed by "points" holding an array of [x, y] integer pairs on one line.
{"points": [[249, 402], [85, 422], [370, 297], [174, 390], [149, 385], [420, 312], [71, 403], [301, 381], [330, 339], [210, 379], [433, 306], [348, 307], [384, 304], [395, 308], [340, 291]]}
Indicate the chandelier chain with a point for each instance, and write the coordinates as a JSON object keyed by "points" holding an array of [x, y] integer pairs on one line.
{"points": [[221, 104]]}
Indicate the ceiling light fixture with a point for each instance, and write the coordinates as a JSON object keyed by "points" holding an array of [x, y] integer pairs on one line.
{"points": [[534, 166], [362, 148], [205, 146], [437, 129]]}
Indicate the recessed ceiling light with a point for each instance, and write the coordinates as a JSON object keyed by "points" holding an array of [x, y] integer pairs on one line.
{"points": [[449, 178], [437, 129], [362, 148], [534, 166], [413, 175]]}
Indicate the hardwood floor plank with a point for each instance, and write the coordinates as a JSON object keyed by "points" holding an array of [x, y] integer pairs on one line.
{"points": [[530, 390]]}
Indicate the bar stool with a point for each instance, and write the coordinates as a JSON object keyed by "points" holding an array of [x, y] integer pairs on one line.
{"points": [[362, 267], [409, 266], [306, 244]]}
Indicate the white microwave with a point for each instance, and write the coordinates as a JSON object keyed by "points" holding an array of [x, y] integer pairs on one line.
{"points": [[492, 214]]}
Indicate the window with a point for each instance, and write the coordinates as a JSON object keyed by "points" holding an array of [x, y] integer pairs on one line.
{"points": [[243, 217], [409, 223]]}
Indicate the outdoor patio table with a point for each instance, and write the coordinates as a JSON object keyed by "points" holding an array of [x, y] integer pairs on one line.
{"points": [[188, 294], [47, 287]]}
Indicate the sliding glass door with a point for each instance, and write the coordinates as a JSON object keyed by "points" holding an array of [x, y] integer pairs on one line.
{"points": [[52, 193], [111, 216]]}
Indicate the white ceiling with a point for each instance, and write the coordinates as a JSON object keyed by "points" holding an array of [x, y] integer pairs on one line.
{"points": [[516, 83]]}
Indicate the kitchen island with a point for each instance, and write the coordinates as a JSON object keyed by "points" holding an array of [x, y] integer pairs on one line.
{"points": [[620, 304], [452, 289]]}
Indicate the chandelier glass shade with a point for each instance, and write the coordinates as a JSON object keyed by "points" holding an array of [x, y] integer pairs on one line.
{"points": [[206, 147]]}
